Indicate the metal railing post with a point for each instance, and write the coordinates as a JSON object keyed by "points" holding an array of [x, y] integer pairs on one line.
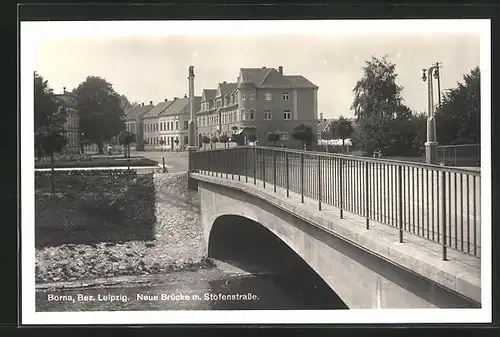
{"points": [[400, 202], [255, 166], [367, 195], [287, 176], [226, 168], [274, 169], [443, 214], [341, 201], [238, 164], [263, 168], [319, 182], [246, 165], [302, 177]]}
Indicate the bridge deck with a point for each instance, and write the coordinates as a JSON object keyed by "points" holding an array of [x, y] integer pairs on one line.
{"points": [[461, 272]]}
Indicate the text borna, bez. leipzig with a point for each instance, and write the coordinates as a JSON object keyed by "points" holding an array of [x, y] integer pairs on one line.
{"points": [[87, 298]]}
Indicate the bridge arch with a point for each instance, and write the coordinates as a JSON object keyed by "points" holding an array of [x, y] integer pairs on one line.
{"points": [[360, 278]]}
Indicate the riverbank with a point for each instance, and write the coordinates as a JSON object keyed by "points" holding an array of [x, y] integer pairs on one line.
{"points": [[174, 244]]}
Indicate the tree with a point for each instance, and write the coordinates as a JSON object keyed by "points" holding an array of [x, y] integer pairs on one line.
{"points": [[126, 138], [100, 110], [342, 129], [48, 116], [205, 140], [273, 137], [214, 140], [126, 104], [52, 139], [224, 139], [458, 117], [303, 133], [384, 121]]}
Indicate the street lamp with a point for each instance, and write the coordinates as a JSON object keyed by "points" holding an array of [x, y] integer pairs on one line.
{"points": [[430, 144]]}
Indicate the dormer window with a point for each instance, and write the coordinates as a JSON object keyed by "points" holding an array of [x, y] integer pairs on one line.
{"points": [[252, 96], [242, 97], [285, 96], [268, 97]]}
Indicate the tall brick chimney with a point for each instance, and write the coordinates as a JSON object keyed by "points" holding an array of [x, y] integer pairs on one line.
{"points": [[150, 102], [280, 69], [142, 103]]}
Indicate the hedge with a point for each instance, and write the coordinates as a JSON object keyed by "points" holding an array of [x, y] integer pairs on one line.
{"points": [[115, 173], [99, 163]]}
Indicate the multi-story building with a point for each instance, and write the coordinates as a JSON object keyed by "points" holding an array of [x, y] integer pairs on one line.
{"points": [[135, 124], [262, 101], [174, 121], [150, 127], [67, 102]]}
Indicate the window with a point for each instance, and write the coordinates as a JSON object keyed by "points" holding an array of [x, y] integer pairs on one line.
{"points": [[161, 126], [285, 96], [284, 135], [268, 115], [177, 125], [171, 125], [268, 97], [164, 125], [235, 116], [251, 114], [185, 140], [287, 115], [186, 125], [252, 96], [242, 97]]}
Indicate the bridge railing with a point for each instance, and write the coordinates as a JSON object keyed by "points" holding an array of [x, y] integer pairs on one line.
{"points": [[438, 203], [459, 155]]}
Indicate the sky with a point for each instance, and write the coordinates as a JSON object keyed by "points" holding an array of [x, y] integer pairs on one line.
{"points": [[151, 68]]}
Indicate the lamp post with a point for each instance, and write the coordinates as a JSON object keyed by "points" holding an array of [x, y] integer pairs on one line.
{"points": [[431, 143]]}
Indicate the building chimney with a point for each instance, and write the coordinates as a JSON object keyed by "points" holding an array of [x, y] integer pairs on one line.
{"points": [[64, 90], [224, 82], [166, 99], [142, 103], [321, 116], [280, 69], [185, 96]]}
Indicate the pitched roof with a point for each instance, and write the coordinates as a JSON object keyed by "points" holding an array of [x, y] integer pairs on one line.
{"points": [[226, 88], [138, 112], [178, 106], [67, 99], [272, 78], [208, 94], [299, 81], [324, 125], [157, 109]]}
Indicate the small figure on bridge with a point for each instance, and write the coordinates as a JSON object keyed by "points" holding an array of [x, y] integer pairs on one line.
{"points": [[377, 153]]}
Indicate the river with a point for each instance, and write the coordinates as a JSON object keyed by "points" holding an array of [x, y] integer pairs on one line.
{"points": [[225, 287]]}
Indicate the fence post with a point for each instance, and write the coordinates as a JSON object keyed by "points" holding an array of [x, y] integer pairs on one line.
{"points": [[264, 168], [164, 168], [319, 182], [246, 165], [302, 177], [274, 169], [367, 193], [443, 214], [238, 164], [400, 202], [341, 188], [287, 176], [255, 166], [226, 168]]}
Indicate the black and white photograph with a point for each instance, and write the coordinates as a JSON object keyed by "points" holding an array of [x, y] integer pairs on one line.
{"points": [[253, 172]]}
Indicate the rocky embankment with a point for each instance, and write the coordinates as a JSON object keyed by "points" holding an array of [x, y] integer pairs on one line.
{"points": [[177, 244]]}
